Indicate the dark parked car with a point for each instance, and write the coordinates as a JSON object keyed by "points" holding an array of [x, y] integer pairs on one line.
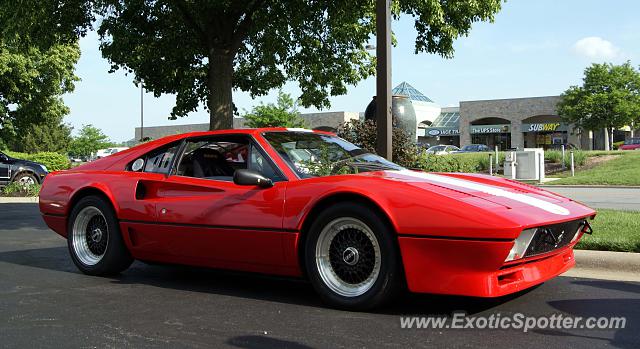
{"points": [[21, 171], [473, 148]]}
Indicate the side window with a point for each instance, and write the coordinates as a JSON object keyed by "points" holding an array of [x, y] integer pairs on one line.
{"points": [[212, 158], [259, 163], [159, 160], [218, 158]]}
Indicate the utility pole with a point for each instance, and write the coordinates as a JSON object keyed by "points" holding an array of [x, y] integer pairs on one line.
{"points": [[141, 112], [383, 78]]}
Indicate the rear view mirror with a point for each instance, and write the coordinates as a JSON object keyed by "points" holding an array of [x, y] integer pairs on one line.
{"points": [[248, 177]]}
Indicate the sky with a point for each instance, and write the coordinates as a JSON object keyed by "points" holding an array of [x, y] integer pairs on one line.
{"points": [[534, 48]]}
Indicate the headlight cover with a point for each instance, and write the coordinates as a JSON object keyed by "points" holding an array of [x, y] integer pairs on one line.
{"points": [[521, 244], [44, 168], [577, 234]]}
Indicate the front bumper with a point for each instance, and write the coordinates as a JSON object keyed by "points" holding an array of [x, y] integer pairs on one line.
{"points": [[476, 267]]}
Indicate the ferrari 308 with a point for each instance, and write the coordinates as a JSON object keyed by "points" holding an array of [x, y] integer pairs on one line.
{"points": [[309, 204]]}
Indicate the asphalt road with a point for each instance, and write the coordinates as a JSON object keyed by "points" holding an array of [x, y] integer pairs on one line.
{"points": [[613, 198], [46, 302]]}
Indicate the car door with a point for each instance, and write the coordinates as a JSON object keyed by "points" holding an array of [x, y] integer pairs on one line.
{"points": [[204, 218], [5, 169]]}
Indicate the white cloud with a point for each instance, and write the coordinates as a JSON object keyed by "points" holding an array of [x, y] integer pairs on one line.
{"points": [[597, 48]]}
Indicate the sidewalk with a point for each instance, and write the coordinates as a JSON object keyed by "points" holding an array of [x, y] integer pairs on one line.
{"points": [[12, 200]]}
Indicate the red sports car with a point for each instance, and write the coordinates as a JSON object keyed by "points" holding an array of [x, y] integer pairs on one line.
{"points": [[309, 204]]}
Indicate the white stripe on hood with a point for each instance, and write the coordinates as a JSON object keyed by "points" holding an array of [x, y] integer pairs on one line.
{"points": [[491, 190]]}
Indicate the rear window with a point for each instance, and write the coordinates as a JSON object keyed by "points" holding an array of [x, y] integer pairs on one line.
{"points": [[160, 160]]}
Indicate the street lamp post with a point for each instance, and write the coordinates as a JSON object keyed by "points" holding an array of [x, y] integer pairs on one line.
{"points": [[383, 78]]}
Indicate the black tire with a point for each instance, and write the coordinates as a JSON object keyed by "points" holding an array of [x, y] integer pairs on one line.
{"points": [[115, 256], [389, 278], [25, 176]]}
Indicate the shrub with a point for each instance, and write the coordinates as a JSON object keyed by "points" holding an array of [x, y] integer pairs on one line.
{"points": [[555, 156], [616, 145], [579, 158], [19, 190], [363, 133], [53, 161], [469, 163]]}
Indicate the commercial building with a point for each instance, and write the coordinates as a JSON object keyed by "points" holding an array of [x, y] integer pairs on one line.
{"points": [[507, 123], [327, 120], [531, 122]]}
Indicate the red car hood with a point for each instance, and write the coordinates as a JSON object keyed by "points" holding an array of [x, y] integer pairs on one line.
{"points": [[470, 188]]}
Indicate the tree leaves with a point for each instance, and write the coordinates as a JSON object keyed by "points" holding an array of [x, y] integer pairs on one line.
{"points": [[282, 114], [32, 82], [89, 140], [318, 44], [175, 46], [608, 98]]}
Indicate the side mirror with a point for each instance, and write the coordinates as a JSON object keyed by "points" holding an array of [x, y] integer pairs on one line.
{"points": [[3, 157], [249, 177]]}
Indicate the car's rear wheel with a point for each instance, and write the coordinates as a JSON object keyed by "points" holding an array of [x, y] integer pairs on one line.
{"points": [[94, 238], [351, 257]]}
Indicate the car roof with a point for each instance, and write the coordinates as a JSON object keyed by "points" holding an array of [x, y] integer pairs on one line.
{"points": [[251, 131]]}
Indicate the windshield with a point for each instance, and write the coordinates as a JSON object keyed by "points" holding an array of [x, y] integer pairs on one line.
{"points": [[315, 155]]}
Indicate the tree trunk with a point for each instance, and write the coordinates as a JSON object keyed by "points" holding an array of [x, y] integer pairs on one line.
{"points": [[220, 101], [606, 139]]}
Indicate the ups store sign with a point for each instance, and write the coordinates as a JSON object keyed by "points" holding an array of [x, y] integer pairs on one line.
{"points": [[475, 129], [545, 127]]}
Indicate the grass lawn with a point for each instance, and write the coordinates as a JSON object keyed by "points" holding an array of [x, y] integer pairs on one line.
{"points": [[624, 170], [613, 231]]}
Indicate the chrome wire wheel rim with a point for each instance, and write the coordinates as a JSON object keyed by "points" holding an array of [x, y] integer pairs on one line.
{"points": [[348, 257], [26, 181], [90, 236]]}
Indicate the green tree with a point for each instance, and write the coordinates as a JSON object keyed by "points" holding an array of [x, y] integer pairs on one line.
{"points": [[282, 114], [609, 98], [200, 50], [54, 136], [41, 24], [89, 140], [32, 82]]}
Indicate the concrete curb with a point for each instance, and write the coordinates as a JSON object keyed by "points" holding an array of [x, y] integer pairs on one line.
{"points": [[606, 265], [12, 200]]}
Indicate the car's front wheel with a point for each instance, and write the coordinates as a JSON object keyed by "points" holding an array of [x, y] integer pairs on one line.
{"points": [[94, 238], [26, 179], [351, 257]]}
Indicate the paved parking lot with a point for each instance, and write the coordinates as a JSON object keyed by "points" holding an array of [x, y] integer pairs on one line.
{"points": [[46, 302], [604, 197]]}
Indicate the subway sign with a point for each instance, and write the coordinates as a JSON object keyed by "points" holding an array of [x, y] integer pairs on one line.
{"points": [[544, 127]]}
